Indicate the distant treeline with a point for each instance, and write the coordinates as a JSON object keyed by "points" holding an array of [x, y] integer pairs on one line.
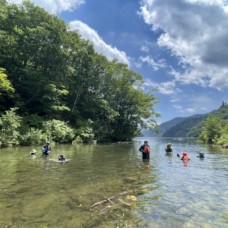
{"points": [[53, 85]]}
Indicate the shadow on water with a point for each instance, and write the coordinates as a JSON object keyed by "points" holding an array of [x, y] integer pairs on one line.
{"points": [[161, 192]]}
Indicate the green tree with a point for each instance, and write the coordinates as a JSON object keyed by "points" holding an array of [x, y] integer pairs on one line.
{"points": [[57, 76], [9, 128], [5, 84], [211, 130], [58, 131], [223, 139]]}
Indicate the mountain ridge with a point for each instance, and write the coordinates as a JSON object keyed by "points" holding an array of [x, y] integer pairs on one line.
{"points": [[189, 126]]}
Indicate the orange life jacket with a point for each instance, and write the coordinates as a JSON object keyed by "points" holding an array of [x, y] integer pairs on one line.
{"points": [[185, 157], [146, 149]]}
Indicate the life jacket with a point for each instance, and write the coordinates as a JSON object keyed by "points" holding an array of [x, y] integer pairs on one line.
{"points": [[185, 156], [146, 149]]}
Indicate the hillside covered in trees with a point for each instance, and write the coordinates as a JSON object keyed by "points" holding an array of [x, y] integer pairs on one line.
{"points": [[184, 127], [54, 86], [209, 128]]}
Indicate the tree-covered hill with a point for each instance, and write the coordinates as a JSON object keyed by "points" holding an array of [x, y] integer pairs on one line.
{"points": [[221, 113], [169, 124], [183, 128], [192, 126], [48, 73], [159, 130], [187, 126]]}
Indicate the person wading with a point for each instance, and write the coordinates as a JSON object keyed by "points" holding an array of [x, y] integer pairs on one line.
{"points": [[145, 150]]}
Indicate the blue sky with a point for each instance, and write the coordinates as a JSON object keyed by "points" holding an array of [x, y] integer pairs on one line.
{"points": [[179, 47]]}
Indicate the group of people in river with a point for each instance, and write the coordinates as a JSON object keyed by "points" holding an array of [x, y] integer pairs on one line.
{"points": [[45, 151], [145, 150]]}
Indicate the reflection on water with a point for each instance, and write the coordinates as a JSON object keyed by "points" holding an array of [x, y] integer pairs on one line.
{"points": [[38, 192]]}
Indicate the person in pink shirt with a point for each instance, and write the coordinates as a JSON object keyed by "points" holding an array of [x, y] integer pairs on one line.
{"points": [[185, 156]]}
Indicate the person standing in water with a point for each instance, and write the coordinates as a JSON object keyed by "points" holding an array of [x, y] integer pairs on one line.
{"points": [[168, 148], [185, 156], [46, 149], [145, 150]]}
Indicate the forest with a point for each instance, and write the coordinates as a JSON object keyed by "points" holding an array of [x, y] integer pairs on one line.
{"points": [[54, 86]]}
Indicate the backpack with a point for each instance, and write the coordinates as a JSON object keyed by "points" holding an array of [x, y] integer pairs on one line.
{"points": [[146, 149]]}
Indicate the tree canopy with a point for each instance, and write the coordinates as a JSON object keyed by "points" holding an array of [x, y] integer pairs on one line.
{"points": [[50, 73]]}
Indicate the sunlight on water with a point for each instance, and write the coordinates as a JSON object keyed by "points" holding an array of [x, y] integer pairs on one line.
{"points": [[162, 192]]}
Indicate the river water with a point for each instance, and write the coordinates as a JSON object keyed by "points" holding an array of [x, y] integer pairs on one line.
{"points": [[162, 192]]}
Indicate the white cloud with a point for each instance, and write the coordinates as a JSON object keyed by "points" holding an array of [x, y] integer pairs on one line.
{"points": [[196, 32], [166, 88], [190, 110], [194, 103], [174, 100], [151, 62], [55, 6], [100, 46], [144, 48], [181, 109], [201, 103]]}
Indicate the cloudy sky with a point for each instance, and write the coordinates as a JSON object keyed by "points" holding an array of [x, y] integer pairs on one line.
{"points": [[179, 47]]}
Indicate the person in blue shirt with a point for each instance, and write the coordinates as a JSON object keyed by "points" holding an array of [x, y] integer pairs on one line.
{"points": [[46, 149]]}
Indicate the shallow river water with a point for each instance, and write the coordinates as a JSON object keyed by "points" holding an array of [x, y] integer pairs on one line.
{"points": [[162, 192]]}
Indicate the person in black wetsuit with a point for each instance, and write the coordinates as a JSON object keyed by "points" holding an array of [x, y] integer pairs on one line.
{"points": [[145, 150], [168, 148], [61, 158], [201, 155]]}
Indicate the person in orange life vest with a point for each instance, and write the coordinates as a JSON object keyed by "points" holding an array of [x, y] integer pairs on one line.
{"points": [[185, 156], [145, 149]]}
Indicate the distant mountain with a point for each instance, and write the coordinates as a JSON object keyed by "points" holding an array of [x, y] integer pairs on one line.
{"points": [[186, 126], [162, 128], [221, 113], [183, 128], [171, 123], [147, 133]]}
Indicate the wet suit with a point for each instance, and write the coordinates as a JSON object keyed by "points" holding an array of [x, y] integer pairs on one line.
{"points": [[61, 158], [168, 149]]}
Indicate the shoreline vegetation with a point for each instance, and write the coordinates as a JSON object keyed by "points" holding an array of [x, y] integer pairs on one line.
{"points": [[55, 87]]}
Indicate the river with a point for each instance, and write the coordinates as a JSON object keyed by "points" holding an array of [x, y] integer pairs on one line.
{"points": [[162, 192]]}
